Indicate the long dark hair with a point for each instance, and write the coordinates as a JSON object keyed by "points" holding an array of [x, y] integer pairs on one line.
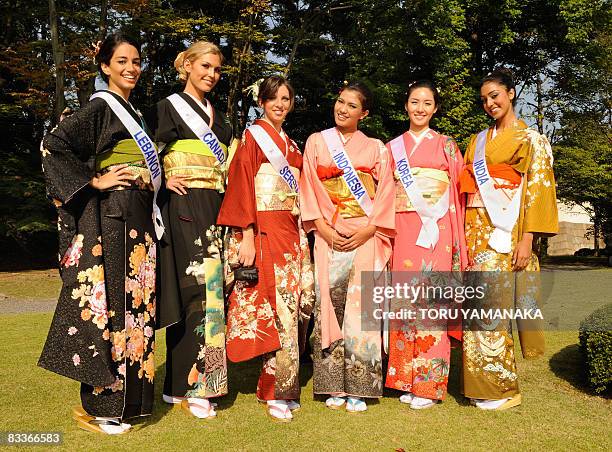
{"points": [[108, 47]]}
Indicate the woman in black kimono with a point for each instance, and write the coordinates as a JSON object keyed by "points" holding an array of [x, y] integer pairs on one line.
{"points": [[102, 333], [191, 300]]}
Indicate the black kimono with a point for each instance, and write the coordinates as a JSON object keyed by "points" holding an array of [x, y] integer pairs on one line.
{"points": [[102, 333], [191, 289]]}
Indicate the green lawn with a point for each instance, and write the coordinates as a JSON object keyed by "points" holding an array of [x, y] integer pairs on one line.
{"points": [[557, 411]]}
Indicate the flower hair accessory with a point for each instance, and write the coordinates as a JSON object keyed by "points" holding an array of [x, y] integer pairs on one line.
{"points": [[253, 89], [95, 46]]}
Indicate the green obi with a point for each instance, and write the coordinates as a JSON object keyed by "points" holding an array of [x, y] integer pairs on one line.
{"points": [[193, 147], [125, 151]]}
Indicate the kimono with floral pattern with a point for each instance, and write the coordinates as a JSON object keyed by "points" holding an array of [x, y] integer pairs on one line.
{"points": [[191, 304], [489, 367], [347, 358], [103, 330], [419, 351], [269, 317]]}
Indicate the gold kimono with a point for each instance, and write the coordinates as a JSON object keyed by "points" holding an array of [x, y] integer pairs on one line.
{"points": [[489, 367]]}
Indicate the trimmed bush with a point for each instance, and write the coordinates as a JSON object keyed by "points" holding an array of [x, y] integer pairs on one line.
{"points": [[595, 337]]}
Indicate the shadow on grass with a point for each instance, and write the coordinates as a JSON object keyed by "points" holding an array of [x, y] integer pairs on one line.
{"points": [[160, 408], [569, 365]]}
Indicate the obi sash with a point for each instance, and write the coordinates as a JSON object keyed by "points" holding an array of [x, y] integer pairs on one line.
{"points": [[341, 196], [126, 152], [199, 127], [428, 213], [349, 174], [432, 182], [195, 161], [502, 209], [272, 192], [147, 148]]}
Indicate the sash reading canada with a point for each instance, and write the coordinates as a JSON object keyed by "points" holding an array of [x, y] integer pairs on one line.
{"points": [[146, 146], [350, 176], [198, 126]]}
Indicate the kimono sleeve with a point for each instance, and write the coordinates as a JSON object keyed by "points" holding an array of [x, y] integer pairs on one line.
{"points": [[67, 149], [239, 208], [540, 197], [309, 204], [383, 214]]}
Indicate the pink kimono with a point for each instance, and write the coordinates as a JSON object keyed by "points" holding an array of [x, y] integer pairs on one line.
{"points": [[419, 353], [346, 358]]}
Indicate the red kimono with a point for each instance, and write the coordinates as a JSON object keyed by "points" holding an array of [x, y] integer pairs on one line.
{"points": [[263, 317]]}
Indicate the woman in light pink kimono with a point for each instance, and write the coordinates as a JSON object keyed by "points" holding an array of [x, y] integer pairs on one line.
{"points": [[419, 350], [347, 357]]}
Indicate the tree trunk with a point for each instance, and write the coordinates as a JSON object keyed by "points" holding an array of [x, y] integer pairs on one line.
{"points": [[596, 232], [540, 104], [58, 60], [87, 87]]}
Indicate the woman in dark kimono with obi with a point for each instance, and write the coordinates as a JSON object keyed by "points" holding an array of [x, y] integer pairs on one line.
{"points": [[102, 333], [191, 293], [264, 315]]}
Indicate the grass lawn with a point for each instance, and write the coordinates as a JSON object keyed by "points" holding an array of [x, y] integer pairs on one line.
{"points": [[557, 411]]}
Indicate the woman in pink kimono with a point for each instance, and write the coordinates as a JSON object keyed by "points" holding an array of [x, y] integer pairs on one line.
{"points": [[429, 237], [353, 224]]}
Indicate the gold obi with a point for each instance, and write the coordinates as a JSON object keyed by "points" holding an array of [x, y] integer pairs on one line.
{"points": [[475, 200], [140, 173], [126, 152], [272, 192], [432, 183], [340, 194], [201, 169]]}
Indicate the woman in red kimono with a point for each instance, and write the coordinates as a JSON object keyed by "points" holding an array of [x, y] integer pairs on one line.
{"points": [[261, 208], [419, 354], [352, 235]]}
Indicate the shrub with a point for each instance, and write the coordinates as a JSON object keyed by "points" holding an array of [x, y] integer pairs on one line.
{"points": [[595, 337]]}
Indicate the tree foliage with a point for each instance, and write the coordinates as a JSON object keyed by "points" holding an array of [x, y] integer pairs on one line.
{"points": [[558, 49]]}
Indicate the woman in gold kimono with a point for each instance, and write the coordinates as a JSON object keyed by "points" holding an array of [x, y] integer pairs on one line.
{"points": [[518, 162]]}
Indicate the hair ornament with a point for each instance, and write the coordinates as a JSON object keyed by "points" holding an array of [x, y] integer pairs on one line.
{"points": [[253, 89]]}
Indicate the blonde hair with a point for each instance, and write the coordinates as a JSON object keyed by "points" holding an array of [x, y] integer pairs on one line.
{"points": [[193, 52]]}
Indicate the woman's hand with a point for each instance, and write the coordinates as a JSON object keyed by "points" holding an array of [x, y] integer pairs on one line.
{"points": [[330, 235], [246, 253], [359, 237], [175, 183], [117, 176], [522, 252]]}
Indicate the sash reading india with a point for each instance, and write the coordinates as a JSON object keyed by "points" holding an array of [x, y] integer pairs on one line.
{"points": [[429, 215], [274, 155], [198, 126], [503, 211], [146, 146], [350, 176]]}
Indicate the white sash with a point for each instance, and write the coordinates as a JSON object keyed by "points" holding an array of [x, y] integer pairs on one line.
{"points": [[198, 126], [274, 155], [429, 215], [342, 161], [503, 212], [147, 148]]}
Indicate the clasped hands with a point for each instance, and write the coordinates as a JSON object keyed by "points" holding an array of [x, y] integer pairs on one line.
{"points": [[347, 241]]}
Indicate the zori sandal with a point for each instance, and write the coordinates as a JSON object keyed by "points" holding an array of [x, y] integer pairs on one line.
{"points": [[278, 411], [79, 413], [355, 405], [202, 408], [101, 425]]}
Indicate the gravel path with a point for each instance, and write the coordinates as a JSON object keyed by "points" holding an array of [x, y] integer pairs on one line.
{"points": [[10, 305]]}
